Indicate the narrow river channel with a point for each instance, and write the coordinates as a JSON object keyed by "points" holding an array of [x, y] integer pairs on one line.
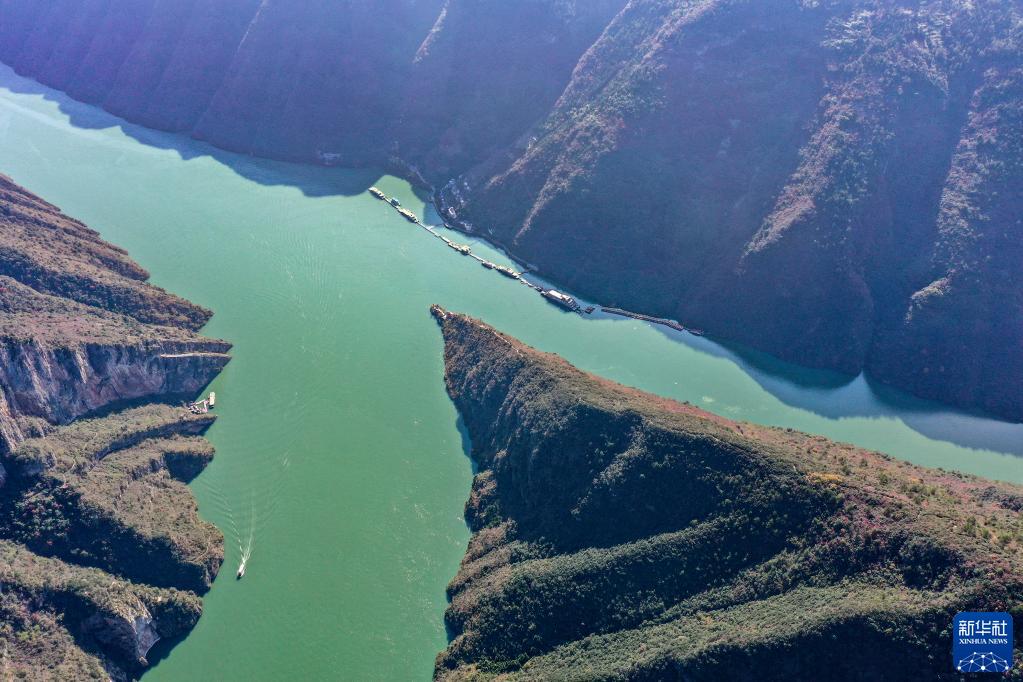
{"points": [[340, 464]]}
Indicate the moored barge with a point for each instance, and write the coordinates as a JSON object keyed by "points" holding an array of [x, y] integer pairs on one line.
{"points": [[563, 300]]}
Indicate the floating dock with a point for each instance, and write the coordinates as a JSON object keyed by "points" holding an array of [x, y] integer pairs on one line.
{"points": [[203, 406], [507, 272]]}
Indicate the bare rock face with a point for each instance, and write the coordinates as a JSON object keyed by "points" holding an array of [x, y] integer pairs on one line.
{"points": [[61, 384], [102, 551], [131, 632], [73, 612], [80, 329]]}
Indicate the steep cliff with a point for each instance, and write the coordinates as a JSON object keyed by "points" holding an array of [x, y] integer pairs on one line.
{"points": [[103, 549], [62, 621], [834, 182], [617, 535]]}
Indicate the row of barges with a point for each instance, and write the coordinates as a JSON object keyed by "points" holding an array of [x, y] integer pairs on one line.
{"points": [[556, 297]]}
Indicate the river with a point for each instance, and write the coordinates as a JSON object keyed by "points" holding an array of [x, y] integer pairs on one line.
{"points": [[340, 464]]}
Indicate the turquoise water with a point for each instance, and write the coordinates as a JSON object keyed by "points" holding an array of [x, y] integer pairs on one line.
{"points": [[340, 465]]}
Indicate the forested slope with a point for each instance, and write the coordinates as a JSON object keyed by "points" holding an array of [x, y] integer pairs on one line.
{"points": [[837, 183], [617, 535], [102, 551]]}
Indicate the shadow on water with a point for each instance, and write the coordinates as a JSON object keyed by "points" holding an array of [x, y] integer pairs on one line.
{"points": [[463, 431], [833, 395], [821, 392], [163, 647], [836, 396], [313, 181]]}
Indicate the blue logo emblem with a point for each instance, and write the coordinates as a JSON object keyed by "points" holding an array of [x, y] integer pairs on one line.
{"points": [[982, 642]]}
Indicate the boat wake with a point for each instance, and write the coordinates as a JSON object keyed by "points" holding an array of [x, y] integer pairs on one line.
{"points": [[244, 534], [246, 552]]}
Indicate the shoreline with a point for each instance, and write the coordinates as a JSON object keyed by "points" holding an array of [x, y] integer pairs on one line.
{"points": [[96, 450]]}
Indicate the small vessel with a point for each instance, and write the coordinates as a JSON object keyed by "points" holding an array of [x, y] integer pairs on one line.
{"points": [[241, 571], [487, 264], [560, 299], [460, 248], [212, 399], [377, 193], [408, 215], [395, 202], [695, 332]]}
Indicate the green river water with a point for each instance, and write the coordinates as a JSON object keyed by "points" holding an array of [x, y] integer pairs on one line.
{"points": [[340, 464]]}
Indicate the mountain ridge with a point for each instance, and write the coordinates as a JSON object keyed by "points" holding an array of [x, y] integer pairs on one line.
{"points": [[835, 183], [619, 535]]}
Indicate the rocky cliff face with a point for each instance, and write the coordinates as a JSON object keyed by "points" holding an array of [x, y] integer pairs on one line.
{"points": [[103, 549], [617, 535], [833, 182], [58, 385]]}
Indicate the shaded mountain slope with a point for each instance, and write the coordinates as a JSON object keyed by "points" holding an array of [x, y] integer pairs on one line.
{"points": [[102, 547], [790, 176], [66, 622], [269, 77], [836, 183], [617, 535]]}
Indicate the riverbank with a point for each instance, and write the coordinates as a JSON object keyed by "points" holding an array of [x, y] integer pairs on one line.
{"points": [[104, 553], [747, 229], [341, 462], [678, 539]]}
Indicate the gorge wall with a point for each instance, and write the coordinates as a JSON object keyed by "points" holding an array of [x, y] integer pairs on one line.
{"points": [[103, 551], [622, 536], [837, 183]]}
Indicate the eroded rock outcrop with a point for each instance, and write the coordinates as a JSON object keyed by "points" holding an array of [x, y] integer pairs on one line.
{"points": [[59, 616]]}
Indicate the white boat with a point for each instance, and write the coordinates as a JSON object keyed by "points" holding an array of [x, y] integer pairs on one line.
{"points": [[241, 571], [213, 399]]}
